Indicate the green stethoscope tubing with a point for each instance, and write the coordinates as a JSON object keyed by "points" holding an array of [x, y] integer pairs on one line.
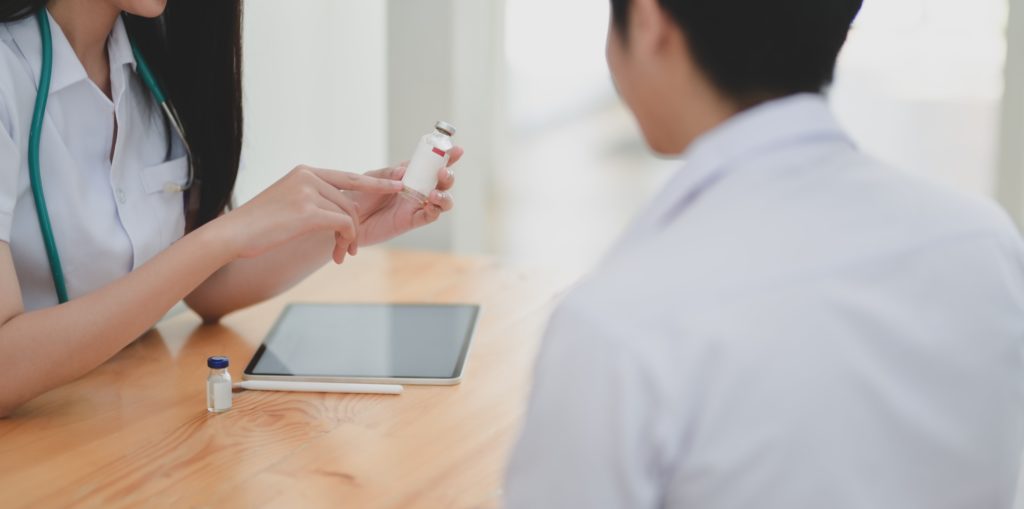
{"points": [[33, 159], [35, 178]]}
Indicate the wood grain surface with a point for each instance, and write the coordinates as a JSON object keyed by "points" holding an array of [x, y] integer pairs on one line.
{"points": [[136, 433]]}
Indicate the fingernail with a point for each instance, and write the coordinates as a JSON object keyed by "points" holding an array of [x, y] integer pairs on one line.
{"points": [[451, 173]]}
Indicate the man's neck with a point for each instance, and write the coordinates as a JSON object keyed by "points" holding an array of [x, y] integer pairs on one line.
{"points": [[695, 117], [87, 25]]}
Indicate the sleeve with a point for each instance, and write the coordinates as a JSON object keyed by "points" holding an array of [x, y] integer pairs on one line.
{"points": [[10, 164], [591, 434]]}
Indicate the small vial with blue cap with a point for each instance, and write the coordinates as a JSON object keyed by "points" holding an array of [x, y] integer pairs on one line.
{"points": [[218, 385]]}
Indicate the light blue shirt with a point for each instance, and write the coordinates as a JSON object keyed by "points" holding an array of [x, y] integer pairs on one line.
{"points": [[790, 324]]}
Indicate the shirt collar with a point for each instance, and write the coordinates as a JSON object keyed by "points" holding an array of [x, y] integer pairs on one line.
{"points": [[119, 46], [796, 119], [67, 69]]}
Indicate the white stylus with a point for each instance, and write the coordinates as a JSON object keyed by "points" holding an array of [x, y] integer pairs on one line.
{"points": [[262, 385]]}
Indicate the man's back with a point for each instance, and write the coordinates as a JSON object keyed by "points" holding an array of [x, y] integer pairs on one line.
{"points": [[790, 324]]}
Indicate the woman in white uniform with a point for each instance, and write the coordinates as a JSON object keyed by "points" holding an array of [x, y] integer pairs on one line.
{"points": [[137, 197]]}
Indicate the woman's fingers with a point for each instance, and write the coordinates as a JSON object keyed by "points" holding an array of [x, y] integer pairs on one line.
{"points": [[445, 179], [354, 182], [446, 176], [426, 215], [338, 198], [340, 249], [454, 155], [441, 199], [342, 243], [342, 211], [346, 204], [393, 173], [345, 226], [337, 221]]}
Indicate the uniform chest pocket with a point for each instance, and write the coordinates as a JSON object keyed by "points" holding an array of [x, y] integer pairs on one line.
{"points": [[164, 176]]}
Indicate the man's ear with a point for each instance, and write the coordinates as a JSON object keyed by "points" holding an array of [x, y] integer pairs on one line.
{"points": [[650, 27]]}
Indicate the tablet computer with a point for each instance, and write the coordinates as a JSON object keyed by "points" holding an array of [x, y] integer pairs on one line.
{"points": [[373, 343]]}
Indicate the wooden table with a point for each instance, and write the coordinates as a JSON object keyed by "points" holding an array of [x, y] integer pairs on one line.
{"points": [[136, 433]]}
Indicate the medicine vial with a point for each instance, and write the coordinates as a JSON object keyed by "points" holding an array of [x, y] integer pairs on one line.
{"points": [[218, 385], [430, 156]]}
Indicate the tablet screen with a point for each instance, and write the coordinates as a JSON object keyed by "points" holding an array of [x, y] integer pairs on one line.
{"points": [[368, 341]]}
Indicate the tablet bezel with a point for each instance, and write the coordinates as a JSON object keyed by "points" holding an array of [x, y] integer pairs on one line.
{"points": [[456, 377]]}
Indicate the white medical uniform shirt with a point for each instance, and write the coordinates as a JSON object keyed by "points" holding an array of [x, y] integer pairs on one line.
{"points": [[790, 325], [109, 216]]}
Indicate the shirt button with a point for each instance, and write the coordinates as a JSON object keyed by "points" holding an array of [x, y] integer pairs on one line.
{"points": [[121, 196]]}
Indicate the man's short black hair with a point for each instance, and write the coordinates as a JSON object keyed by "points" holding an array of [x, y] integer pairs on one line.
{"points": [[754, 50]]}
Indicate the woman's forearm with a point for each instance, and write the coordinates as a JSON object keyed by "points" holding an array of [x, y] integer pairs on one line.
{"points": [[247, 281], [86, 331], [81, 334]]}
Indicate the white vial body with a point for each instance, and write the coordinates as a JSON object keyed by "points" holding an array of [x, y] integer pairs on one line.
{"points": [[432, 154], [218, 391]]}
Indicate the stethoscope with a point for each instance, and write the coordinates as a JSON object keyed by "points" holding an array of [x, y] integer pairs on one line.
{"points": [[36, 132]]}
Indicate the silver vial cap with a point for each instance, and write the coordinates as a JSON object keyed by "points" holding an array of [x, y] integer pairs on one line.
{"points": [[445, 127]]}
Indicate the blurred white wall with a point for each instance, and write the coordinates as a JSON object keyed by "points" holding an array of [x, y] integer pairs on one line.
{"points": [[919, 84], [352, 85], [445, 62], [575, 168], [556, 62], [315, 88]]}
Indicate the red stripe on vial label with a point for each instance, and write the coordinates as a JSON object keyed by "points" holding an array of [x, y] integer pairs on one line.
{"points": [[439, 151]]}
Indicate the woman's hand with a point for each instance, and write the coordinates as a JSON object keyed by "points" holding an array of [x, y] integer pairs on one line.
{"points": [[304, 201], [387, 216]]}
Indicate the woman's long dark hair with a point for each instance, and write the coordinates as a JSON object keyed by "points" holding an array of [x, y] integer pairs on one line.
{"points": [[195, 50]]}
